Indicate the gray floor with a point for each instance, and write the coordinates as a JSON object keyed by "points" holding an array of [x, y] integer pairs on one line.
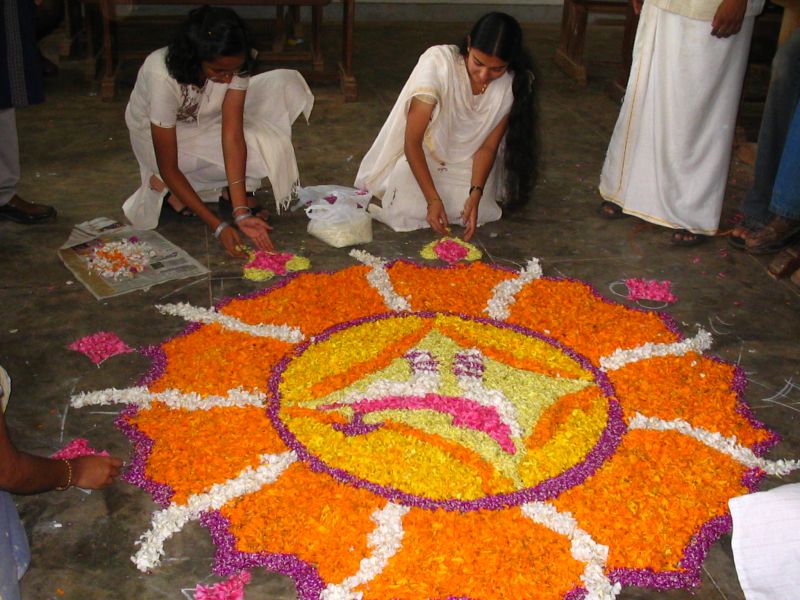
{"points": [[76, 156]]}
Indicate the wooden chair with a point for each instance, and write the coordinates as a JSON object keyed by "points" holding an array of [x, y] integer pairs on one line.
{"points": [[113, 54], [569, 55]]}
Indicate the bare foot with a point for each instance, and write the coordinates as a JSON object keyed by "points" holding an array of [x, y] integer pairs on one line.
{"points": [[156, 184]]}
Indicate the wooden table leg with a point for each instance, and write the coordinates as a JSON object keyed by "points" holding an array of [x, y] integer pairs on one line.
{"points": [[346, 77], [317, 61], [107, 86]]}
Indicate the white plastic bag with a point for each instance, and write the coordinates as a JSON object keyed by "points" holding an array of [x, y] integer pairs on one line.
{"points": [[337, 215]]}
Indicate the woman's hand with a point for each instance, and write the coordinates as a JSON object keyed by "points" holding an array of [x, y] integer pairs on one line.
{"points": [[230, 240], [94, 472], [437, 217], [258, 232], [469, 216]]}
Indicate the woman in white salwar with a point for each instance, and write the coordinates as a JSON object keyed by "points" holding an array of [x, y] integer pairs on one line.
{"points": [[668, 158], [434, 161], [201, 126]]}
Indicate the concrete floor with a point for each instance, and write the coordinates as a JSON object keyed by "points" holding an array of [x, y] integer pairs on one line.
{"points": [[76, 156]]}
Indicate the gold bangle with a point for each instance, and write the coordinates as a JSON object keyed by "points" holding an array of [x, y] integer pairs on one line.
{"points": [[475, 187], [235, 182], [432, 200], [69, 476]]}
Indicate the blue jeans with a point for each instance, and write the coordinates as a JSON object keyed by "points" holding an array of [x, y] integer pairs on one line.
{"points": [[786, 191], [782, 98]]}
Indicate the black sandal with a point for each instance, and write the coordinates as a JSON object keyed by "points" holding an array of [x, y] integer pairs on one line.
{"points": [[259, 211], [685, 238], [167, 210]]}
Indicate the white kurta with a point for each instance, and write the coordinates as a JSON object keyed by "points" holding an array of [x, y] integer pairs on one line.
{"points": [[460, 123], [668, 159], [274, 100]]}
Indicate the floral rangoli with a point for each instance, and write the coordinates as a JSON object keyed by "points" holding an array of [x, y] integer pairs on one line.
{"points": [[393, 430]]}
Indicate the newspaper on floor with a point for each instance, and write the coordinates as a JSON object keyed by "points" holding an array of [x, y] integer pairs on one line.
{"points": [[165, 261]]}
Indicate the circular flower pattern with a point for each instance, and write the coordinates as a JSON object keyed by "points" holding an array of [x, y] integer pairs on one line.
{"points": [[393, 430]]}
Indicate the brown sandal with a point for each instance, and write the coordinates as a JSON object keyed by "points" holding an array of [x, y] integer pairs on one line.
{"points": [[786, 263], [773, 237]]}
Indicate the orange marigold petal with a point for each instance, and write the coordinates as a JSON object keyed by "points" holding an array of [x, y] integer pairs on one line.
{"points": [[313, 302], [691, 387], [308, 514], [195, 449], [572, 313], [499, 562], [647, 515], [213, 360], [465, 289]]}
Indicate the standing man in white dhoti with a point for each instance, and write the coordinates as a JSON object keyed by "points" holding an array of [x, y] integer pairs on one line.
{"points": [[668, 159], [434, 160], [199, 123]]}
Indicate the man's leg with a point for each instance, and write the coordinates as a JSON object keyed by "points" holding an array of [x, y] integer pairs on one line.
{"points": [[12, 207], [783, 95]]}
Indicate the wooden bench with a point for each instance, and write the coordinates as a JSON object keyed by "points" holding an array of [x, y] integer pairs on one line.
{"points": [[570, 53], [113, 56]]}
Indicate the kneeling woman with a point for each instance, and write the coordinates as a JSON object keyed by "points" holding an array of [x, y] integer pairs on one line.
{"points": [[199, 123], [433, 162]]}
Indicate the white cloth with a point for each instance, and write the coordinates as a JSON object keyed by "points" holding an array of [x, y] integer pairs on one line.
{"points": [[460, 123], [274, 100], [704, 9], [668, 158], [766, 543]]}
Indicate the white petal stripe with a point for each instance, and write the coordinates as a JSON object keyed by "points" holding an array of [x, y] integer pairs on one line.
{"points": [[385, 541], [378, 278], [504, 293], [699, 343], [582, 547], [196, 314], [712, 439], [143, 398], [173, 518]]}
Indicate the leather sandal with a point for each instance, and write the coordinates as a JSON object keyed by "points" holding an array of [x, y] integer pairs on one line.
{"points": [[775, 236], [26, 213], [785, 263]]}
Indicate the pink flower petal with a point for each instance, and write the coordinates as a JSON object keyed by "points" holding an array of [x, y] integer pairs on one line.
{"points": [[648, 289], [230, 589], [270, 261], [76, 448], [450, 251], [100, 346]]}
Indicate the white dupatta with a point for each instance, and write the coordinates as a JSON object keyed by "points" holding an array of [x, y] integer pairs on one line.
{"points": [[460, 123]]}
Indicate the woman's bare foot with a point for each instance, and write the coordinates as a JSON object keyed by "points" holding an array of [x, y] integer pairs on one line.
{"points": [[179, 207]]}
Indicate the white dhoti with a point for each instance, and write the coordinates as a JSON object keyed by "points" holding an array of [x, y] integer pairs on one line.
{"points": [[668, 159], [274, 101]]}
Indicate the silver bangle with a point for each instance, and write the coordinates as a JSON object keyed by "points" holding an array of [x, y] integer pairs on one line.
{"points": [[242, 207], [243, 216], [220, 228]]}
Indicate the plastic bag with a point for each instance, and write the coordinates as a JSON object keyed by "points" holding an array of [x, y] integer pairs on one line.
{"points": [[337, 215]]}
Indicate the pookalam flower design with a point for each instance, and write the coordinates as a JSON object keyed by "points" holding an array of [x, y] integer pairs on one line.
{"points": [[451, 250], [392, 430], [262, 265]]}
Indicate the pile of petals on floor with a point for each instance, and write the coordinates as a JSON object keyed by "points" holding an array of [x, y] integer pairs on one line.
{"points": [[395, 430], [262, 265], [121, 259], [451, 250]]}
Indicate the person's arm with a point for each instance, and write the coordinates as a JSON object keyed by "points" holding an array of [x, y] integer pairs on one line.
{"points": [[728, 19], [419, 116], [234, 151], [482, 163], [23, 473], [165, 144]]}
